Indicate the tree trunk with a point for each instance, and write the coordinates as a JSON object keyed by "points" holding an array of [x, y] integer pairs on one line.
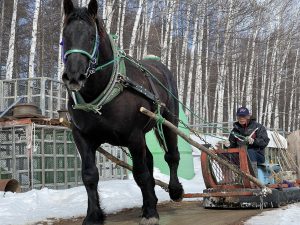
{"points": [[249, 78], [135, 29], [183, 58], [261, 113], [60, 64], [223, 73], [1, 33], [147, 29], [33, 39], [11, 51], [191, 78], [122, 24], [270, 94], [291, 108], [109, 14], [164, 47]]}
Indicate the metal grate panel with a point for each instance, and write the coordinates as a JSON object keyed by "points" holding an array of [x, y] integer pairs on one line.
{"points": [[48, 94], [221, 174], [46, 156]]}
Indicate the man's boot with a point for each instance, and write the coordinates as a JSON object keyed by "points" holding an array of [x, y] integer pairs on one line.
{"points": [[254, 167]]}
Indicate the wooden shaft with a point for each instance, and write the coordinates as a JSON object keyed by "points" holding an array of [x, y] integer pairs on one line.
{"points": [[202, 148], [127, 166], [114, 159]]}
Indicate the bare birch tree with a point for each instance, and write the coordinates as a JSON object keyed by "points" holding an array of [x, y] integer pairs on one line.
{"points": [[1, 31], [135, 28], [11, 52], [33, 39]]}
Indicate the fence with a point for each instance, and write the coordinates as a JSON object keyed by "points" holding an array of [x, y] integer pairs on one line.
{"points": [[50, 95], [45, 156]]}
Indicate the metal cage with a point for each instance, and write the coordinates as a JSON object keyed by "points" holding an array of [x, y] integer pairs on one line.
{"points": [[46, 156], [219, 176], [48, 94]]}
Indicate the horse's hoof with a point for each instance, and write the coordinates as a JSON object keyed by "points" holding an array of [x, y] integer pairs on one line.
{"points": [[176, 192], [95, 218], [91, 223], [150, 221]]}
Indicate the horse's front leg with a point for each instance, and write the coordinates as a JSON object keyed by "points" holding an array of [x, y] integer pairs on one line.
{"points": [[144, 179], [90, 177]]}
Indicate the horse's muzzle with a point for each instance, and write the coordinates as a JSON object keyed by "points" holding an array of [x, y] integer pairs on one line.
{"points": [[74, 83]]}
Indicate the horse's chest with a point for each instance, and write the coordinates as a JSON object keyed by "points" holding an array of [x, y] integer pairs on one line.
{"points": [[103, 126], [89, 122]]}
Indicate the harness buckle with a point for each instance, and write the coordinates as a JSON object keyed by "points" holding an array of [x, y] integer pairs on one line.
{"points": [[122, 80], [122, 53], [98, 110], [92, 67]]}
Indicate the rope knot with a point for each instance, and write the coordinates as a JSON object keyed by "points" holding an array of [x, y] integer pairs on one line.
{"points": [[160, 119]]}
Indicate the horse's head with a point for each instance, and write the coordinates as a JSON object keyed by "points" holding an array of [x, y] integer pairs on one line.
{"points": [[80, 43]]}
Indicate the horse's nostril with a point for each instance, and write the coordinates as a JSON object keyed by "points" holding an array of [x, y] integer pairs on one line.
{"points": [[82, 77], [65, 76]]}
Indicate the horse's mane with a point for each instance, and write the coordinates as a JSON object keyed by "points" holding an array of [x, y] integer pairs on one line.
{"points": [[83, 14]]}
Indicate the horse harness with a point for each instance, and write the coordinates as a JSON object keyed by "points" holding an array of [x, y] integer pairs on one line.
{"points": [[117, 82]]}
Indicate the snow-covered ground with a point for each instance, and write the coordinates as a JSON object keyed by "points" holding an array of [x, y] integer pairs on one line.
{"points": [[282, 216], [38, 205]]}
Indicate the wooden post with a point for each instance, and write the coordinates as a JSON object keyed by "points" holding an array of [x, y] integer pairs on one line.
{"points": [[207, 151]]}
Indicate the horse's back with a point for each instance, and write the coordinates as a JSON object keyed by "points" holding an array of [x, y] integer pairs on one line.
{"points": [[162, 73], [166, 86]]}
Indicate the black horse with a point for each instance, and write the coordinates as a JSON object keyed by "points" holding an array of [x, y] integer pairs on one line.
{"points": [[119, 122]]}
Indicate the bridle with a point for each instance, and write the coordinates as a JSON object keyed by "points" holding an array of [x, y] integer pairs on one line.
{"points": [[93, 58]]}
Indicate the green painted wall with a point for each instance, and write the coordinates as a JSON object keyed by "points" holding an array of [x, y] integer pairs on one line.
{"points": [[186, 166]]}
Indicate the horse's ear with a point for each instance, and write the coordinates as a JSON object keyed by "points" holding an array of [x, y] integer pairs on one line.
{"points": [[68, 6], [93, 8]]}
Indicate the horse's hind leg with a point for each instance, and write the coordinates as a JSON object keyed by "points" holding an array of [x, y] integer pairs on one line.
{"points": [[172, 157], [143, 177]]}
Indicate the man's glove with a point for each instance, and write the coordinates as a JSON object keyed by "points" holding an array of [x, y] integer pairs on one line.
{"points": [[249, 140]]}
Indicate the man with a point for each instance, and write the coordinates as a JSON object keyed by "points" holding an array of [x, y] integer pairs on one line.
{"points": [[247, 131]]}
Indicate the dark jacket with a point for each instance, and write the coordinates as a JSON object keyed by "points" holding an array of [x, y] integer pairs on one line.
{"points": [[260, 136]]}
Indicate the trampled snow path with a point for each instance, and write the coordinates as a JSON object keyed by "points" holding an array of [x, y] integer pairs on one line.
{"points": [[38, 205]]}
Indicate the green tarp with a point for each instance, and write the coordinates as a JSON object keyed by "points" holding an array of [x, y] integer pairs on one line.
{"points": [[186, 166]]}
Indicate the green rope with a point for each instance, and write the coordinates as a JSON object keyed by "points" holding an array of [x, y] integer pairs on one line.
{"points": [[87, 107], [159, 125], [107, 64]]}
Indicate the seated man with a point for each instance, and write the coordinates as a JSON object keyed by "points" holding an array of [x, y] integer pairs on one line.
{"points": [[247, 131]]}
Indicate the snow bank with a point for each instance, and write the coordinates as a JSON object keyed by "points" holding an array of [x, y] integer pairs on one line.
{"points": [[38, 205], [282, 216]]}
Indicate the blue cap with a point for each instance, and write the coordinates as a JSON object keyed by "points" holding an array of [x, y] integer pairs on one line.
{"points": [[243, 111]]}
